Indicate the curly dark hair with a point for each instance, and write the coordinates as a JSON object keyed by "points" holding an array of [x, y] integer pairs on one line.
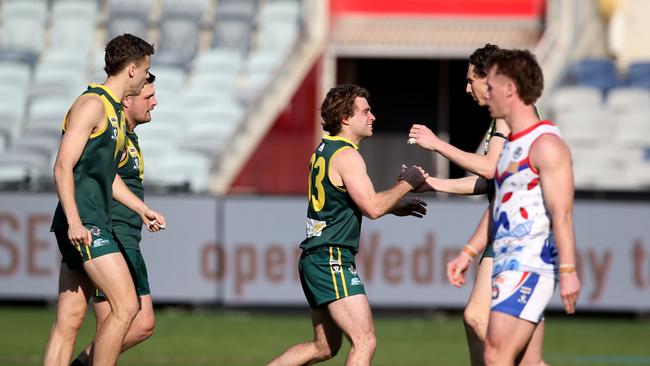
{"points": [[480, 57], [124, 49], [339, 104], [521, 66]]}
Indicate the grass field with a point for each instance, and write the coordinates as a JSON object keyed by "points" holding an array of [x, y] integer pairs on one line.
{"points": [[243, 338]]}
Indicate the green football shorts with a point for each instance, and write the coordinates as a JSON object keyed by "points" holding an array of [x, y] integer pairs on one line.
{"points": [[138, 269], [102, 243], [328, 273]]}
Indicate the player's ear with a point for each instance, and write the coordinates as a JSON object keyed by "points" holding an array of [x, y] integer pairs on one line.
{"points": [[345, 121], [511, 89], [126, 102], [132, 68]]}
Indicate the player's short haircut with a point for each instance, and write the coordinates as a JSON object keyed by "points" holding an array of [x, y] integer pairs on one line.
{"points": [[339, 104], [150, 79], [124, 49], [480, 57], [522, 68]]}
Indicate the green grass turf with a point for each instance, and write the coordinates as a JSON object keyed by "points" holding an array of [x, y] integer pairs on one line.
{"points": [[241, 338]]}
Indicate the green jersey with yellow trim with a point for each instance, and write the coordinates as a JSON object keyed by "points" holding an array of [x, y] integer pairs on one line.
{"points": [[127, 224], [332, 216], [95, 171]]}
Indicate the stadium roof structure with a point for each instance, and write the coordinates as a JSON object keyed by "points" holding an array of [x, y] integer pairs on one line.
{"points": [[402, 36]]}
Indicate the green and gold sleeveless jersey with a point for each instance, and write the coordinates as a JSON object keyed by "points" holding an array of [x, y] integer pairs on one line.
{"points": [[332, 217], [95, 171], [127, 224]]}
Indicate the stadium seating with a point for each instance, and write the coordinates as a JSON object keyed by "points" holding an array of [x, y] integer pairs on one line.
{"points": [[598, 73], [604, 115], [638, 75]]}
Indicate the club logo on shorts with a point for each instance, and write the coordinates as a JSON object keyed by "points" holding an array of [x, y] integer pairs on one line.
{"points": [[100, 242], [355, 281], [95, 231], [524, 293], [336, 265], [352, 269]]}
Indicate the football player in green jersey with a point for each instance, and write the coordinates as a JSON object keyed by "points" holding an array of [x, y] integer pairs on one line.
{"points": [[86, 182], [340, 192], [127, 225], [482, 166]]}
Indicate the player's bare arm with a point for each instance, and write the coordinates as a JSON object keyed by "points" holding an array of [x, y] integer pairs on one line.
{"points": [[477, 242], [471, 185], [483, 165], [552, 158], [152, 219], [348, 169], [85, 117]]}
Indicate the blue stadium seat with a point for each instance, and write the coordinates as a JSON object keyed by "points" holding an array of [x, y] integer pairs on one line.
{"points": [[638, 75], [599, 73]]}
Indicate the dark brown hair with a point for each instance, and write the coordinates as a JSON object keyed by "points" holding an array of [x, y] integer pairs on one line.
{"points": [[151, 78], [521, 66], [480, 58], [124, 49], [339, 104]]}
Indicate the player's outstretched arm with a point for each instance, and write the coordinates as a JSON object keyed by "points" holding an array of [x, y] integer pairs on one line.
{"points": [[471, 185], [483, 165], [552, 158], [85, 115], [349, 167], [152, 219], [457, 267]]}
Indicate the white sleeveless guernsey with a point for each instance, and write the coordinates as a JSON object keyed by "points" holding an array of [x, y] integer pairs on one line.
{"points": [[523, 237]]}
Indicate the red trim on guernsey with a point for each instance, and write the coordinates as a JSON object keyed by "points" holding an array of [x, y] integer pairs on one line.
{"points": [[519, 134]]}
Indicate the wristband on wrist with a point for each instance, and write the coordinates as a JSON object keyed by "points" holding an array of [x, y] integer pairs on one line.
{"points": [[566, 269], [463, 253], [470, 251]]}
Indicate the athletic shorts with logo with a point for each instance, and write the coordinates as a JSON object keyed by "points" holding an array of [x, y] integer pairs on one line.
{"points": [[102, 243], [522, 294], [328, 273]]}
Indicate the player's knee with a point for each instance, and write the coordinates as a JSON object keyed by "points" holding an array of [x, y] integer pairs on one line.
{"points": [[146, 329], [476, 323], [490, 354], [70, 321], [366, 342], [327, 349], [125, 309]]}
